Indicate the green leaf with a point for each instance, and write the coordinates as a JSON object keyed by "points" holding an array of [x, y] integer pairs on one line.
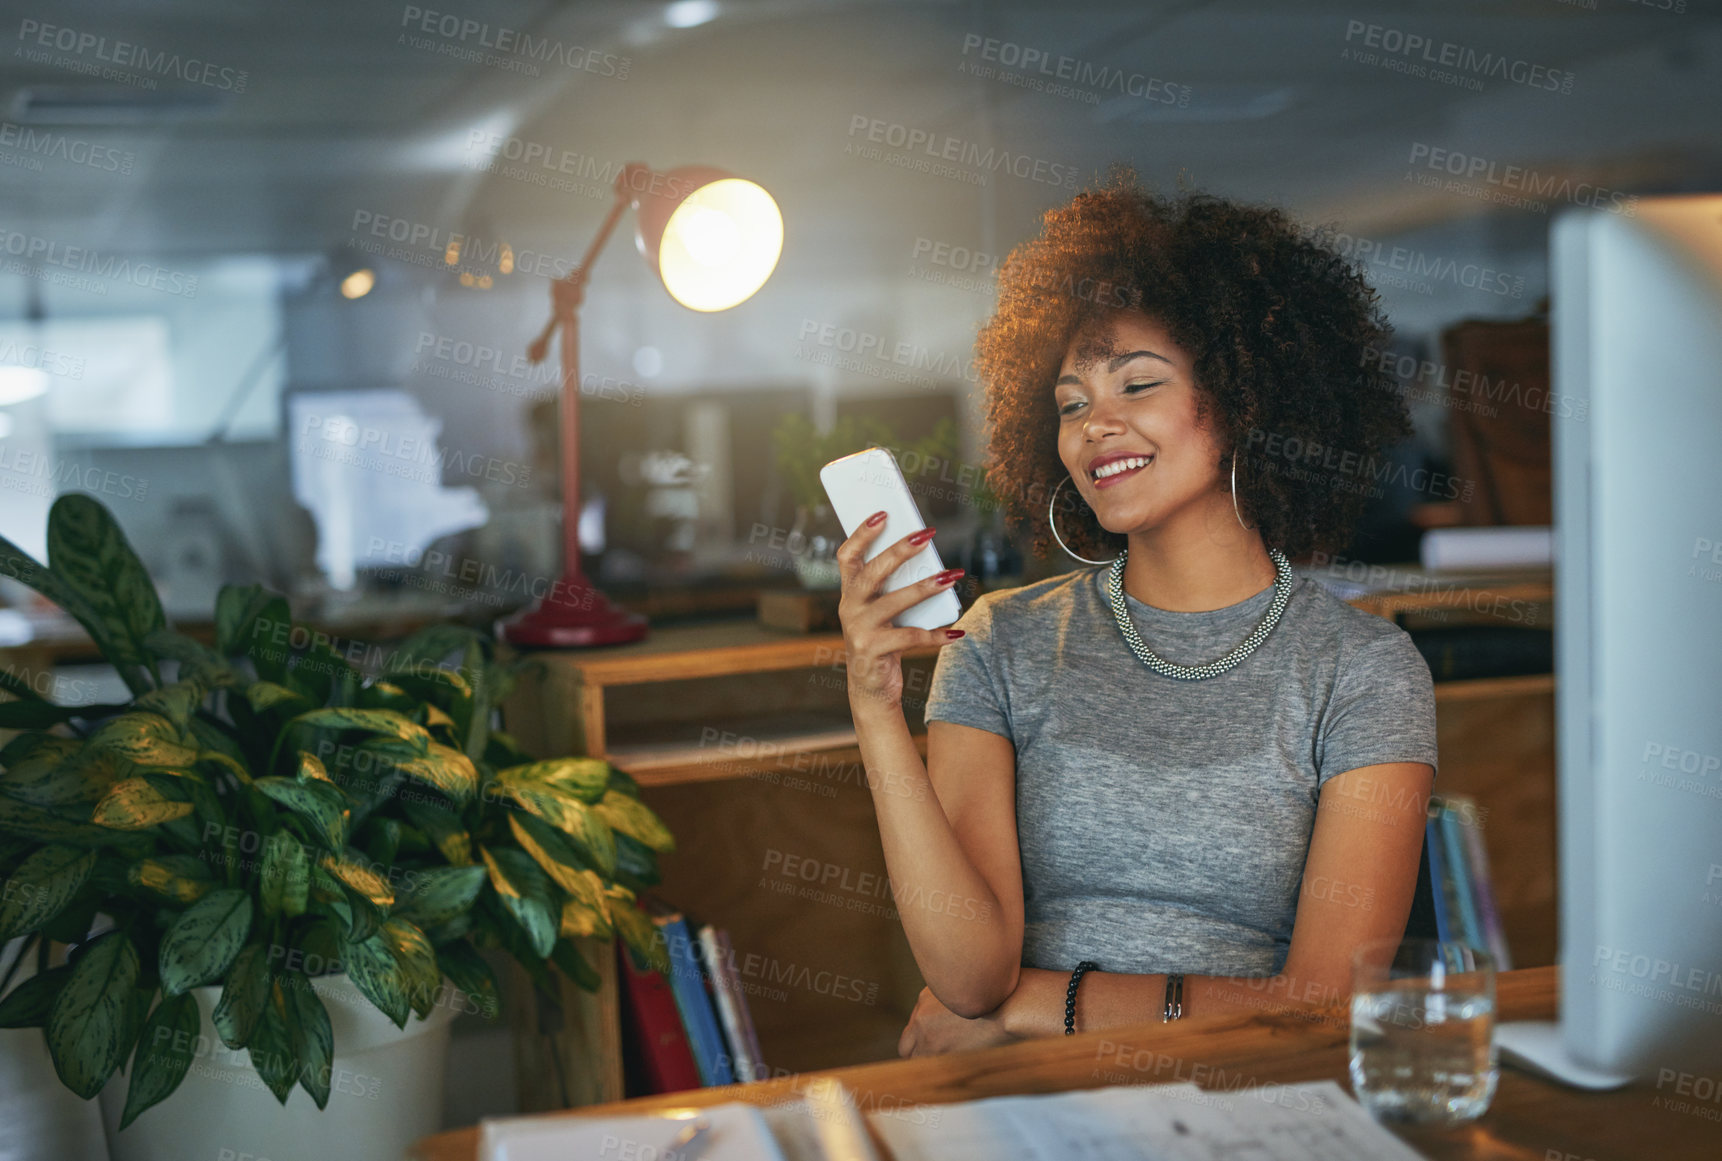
{"points": [[176, 702], [637, 929], [163, 1056], [54, 826], [208, 759], [91, 1018], [41, 715], [441, 767], [235, 608], [204, 940], [321, 804], [474, 718], [462, 963], [358, 916], [631, 817], [40, 769], [440, 687], [28, 1004], [623, 782], [444, 829], [243, 996], [372, 721], [578, 822], [179, 879], [379, 974], [567, 957], [525, 894], [636, 865], [584, 913], [285, 881], [584, 778], [41, 886], [268, 639], [144, 739], [22, 567], [265, 695], [135, 803], [427, 647], [271, 1047], [413, 951], [214, 736], [439, 895], [358, 877], [197, 661], [89, 553], [309, 1034]]}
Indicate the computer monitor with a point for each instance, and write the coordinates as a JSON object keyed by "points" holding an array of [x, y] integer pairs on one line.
{"points": [[1637, 438]]}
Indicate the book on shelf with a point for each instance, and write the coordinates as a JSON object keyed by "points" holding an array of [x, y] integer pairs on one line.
{"points": [[653, 1025], [726, 991], [709, 1000], [687, 983], [749, 1033]]}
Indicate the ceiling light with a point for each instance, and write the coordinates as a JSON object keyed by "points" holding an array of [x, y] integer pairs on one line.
{"points": [[690, 13]]}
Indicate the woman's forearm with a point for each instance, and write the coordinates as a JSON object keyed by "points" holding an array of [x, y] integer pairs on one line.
{"points": [[948, 910], [1110, 1000]]}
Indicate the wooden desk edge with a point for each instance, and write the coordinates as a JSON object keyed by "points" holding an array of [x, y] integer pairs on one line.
{"points": [[1270, 1042]]}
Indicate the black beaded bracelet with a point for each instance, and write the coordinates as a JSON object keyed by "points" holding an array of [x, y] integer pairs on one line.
{"points": [[1070, 995]]}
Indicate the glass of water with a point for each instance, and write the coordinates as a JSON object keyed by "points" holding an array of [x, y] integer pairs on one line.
{"points": [[1423, 1031]]}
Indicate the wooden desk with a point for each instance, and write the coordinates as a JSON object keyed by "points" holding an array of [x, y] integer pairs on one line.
{"points": [[1529, 1120]]}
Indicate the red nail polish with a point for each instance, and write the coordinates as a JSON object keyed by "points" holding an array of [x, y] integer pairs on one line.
{"points": [[873, 520], [922, 536], [949, 575], [953, 634]]}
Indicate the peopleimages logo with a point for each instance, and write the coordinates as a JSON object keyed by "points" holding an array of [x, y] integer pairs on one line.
{"points": [[1422, 56], [84, 260], [509, 48], [1081, 77], [940, 148], [41, 39], [1520, 179]]}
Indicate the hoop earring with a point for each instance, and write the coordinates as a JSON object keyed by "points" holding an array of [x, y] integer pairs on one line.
{"points": [[1050, 505], [1235, 511]]}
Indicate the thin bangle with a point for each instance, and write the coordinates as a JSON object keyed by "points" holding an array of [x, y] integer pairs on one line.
{"points": [[1174, 1009], [1070, 995]]}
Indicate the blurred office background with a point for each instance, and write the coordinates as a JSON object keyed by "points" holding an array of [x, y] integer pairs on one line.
{"points": [[268, 274]]}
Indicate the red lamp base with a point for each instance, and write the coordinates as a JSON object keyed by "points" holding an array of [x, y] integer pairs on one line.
{"points": [[572, 615]]}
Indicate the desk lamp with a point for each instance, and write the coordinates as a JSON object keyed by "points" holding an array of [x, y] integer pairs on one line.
{"points": [[713, 240]]}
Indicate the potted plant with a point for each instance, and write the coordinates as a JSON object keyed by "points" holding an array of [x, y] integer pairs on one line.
{"points": [[265, 837]]}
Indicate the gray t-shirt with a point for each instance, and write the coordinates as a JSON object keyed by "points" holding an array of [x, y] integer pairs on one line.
{"points": [[1163, 824]]}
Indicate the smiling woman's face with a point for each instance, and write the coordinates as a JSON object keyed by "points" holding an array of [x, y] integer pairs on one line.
{"points": [[1130, 412]]}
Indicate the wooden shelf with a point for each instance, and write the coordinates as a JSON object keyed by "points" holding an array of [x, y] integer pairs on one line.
{"points": [[1492, 687]]}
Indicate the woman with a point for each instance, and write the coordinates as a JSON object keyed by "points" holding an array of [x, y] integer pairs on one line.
{"points": [[1211, 816]]}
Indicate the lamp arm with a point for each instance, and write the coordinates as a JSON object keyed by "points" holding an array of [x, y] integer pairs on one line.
{"points": [[567, 292]]}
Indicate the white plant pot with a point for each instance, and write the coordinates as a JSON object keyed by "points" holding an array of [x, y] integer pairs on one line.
{"points": [[386, 1090]]}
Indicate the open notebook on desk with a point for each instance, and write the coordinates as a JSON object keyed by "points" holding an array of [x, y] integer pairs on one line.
{"points": [[1170, 1122]]}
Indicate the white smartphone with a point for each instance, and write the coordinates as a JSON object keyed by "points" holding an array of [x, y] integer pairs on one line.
{"points": [[870, 481]]}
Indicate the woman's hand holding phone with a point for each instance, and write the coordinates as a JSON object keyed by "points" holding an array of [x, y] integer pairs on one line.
{"points": [[873, 645]]}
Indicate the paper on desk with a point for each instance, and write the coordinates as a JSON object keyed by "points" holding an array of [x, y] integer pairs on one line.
{"points": [[1172, 1122], [739, 1132], [822, 1124]]}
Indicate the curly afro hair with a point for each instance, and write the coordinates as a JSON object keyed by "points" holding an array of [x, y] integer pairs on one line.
{"points": [[1281, 329]]}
